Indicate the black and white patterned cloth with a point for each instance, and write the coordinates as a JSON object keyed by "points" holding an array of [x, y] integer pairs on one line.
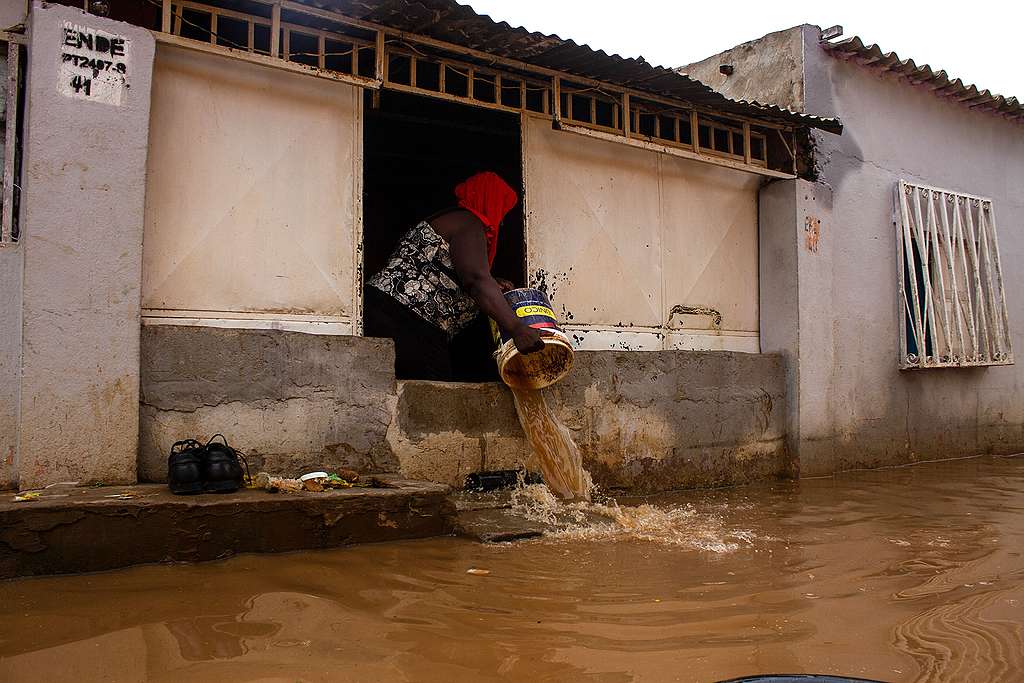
{"points": [[420, 275]]}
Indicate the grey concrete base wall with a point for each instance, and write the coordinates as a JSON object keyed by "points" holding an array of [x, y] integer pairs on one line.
{"points": [[644, 421], [443, 431], [10, 362], [84, 180], [292, 402]]}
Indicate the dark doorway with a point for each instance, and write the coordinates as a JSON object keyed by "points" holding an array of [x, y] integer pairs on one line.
{"points": [[416, 150]]}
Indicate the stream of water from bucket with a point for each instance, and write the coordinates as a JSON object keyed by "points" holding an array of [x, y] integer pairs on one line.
{"points": [[563, 502], [556, 452]]}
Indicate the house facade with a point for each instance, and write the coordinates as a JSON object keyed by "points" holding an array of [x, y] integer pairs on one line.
{"points": [[195, 193], [835, 299]]}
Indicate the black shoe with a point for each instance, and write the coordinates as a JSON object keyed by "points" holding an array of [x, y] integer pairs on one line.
{"points": [[222, 471], [185, 467]]}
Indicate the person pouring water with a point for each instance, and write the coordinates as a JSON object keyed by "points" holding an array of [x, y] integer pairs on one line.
{"points": [[438, 280]]}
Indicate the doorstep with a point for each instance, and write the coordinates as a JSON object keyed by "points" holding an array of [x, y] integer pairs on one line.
{"points": [[73, 529], [488, 518]]}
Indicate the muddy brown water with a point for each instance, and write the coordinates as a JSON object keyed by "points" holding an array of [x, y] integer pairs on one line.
{"points": [[912, 574]]}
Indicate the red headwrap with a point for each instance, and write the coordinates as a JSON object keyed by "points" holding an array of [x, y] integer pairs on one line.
{"points": [[489, 198]]}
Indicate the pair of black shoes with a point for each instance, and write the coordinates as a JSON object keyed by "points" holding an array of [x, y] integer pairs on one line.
{"points": [[195, 468]]}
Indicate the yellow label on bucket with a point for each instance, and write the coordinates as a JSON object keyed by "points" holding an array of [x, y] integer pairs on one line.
{"points": [[526, 311]]}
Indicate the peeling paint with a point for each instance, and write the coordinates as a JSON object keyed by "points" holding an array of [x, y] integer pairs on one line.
{"points": [[681, 309], [812, 233]]}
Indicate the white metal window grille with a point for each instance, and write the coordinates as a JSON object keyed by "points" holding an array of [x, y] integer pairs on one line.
{"points": [[10, 84], [951, 298]]}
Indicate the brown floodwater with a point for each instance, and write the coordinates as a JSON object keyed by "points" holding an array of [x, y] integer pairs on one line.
{"points": [[911, 574]]}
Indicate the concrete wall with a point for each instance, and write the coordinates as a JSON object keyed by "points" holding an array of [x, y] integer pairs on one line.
{"points": [[292, 402], [769, 70], [643, 421], [12, 13], [10, 298], [85, 164], [828, 295], [780, 294], [864, 410], [10, 361], [295, 402]]}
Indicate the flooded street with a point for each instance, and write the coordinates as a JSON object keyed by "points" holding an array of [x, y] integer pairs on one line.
{"points": [[911, 574]]}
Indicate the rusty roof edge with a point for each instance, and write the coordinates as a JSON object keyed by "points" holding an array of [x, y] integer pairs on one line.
{"points": [[460, 25], [828, 124], [872, 56]]}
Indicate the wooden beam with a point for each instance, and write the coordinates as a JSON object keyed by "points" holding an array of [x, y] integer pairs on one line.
{"points": [[380, 55], [746, 142], [493, 59], [556, 90], [672, 151], [626, 122], [275, 29], [263, 60]]}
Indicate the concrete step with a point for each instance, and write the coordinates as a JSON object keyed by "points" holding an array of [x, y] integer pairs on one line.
{"points": [[73, 529], [496, 525], [488, 518]]}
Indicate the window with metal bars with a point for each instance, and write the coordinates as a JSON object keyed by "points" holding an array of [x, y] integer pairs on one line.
{"points": [[10, 140], [951, 297]]}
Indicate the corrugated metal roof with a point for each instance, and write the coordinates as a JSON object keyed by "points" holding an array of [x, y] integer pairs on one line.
{"points": [[452, 22], [939, 81]]}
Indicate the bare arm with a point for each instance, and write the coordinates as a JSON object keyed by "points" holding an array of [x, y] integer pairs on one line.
{"points": [[468, 247]]}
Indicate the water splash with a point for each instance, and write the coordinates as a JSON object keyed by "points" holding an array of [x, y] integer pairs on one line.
{"points": [[563, 502], [682, 526]]}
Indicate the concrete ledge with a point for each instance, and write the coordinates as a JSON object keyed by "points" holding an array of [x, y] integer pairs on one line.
{"points": [[292, 402], [84, 530], [644, 421]]}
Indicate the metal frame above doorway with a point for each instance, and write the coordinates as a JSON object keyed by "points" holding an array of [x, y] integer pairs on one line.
{"points": [[512, 85]]}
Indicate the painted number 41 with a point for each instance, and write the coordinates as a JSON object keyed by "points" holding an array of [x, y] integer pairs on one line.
{"points": [[81, 84]]}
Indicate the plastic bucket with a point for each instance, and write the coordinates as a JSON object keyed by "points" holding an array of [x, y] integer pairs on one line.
{"points": [[540, 369]]}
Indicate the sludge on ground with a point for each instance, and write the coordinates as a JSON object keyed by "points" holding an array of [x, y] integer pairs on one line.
{"points": [[899, 575]]}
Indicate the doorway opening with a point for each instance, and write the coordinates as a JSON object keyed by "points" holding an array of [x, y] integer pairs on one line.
{"points": [[415, 151]]}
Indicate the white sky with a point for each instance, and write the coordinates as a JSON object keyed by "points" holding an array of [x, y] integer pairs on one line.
{"points": [[976, 40]]}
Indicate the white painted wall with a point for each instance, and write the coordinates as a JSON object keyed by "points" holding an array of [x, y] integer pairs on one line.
{"points": [[10, 316], [84, 185], [10, 361], [622, 235], [832, 309], [252, 197], [857, 408]]}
